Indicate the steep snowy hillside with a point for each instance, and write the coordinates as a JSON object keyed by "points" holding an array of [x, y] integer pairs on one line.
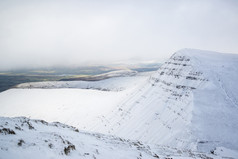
{"points": [[191, 102], [24, 138]]}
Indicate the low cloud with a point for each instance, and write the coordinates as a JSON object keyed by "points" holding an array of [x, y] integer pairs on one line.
{"points": [[70, 33]]}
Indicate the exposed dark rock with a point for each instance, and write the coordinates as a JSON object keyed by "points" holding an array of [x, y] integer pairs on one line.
{"points": [[20, 142], [156, 156], [68, 149], [6, 131], [50, 145], [191, 78]]}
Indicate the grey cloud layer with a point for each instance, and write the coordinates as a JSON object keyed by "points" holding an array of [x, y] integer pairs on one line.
{"points": [[47, 33]]}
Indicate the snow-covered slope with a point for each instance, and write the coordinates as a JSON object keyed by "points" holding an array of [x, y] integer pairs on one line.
{"points": [[191, 102], [81, 106], [24, 138]]}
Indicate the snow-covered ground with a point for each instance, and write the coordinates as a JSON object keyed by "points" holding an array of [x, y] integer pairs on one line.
{"points": [[24, 138], [80, 106], [190, 103]]}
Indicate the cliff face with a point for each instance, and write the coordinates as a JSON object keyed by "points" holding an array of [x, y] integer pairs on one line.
{"points": [[171, 108]]}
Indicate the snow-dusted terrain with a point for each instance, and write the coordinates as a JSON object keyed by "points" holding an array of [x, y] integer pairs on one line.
{"points": [[24, 138], [190, 103], [69, 104], [111, 84]]}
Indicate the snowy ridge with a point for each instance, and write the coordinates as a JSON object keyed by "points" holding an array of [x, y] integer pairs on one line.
{"points": [[160, 111], [166, 110], [24, 138], [80, 107]]}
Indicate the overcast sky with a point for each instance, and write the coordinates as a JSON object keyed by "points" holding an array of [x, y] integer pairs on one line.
{"points": [[35, 33]]}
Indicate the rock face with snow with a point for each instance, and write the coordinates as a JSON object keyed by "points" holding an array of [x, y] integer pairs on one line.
{"points": [[191, 102]]}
